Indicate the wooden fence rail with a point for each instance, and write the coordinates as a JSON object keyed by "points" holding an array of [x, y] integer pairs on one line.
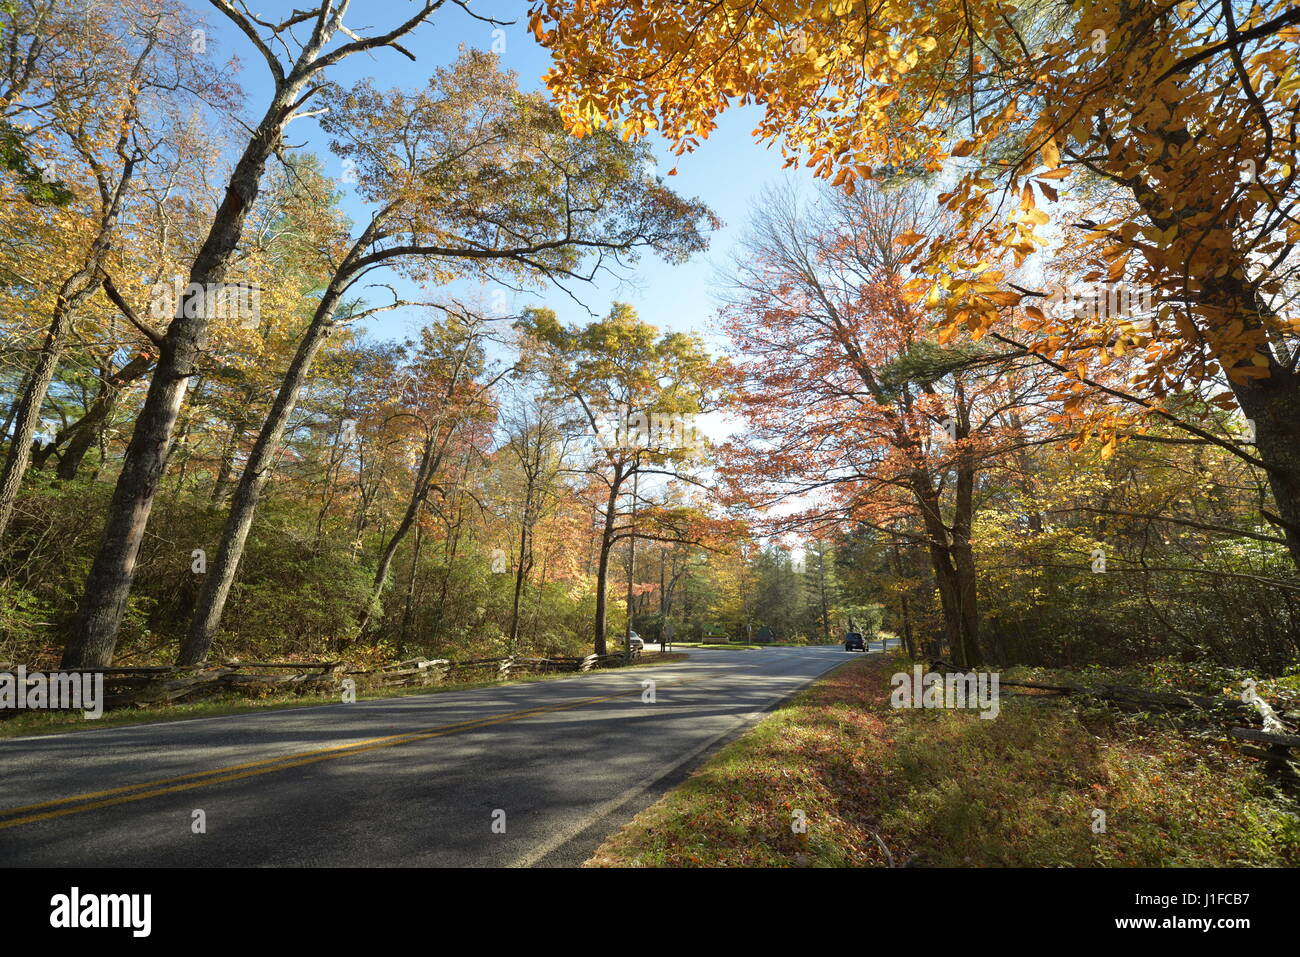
{"points": [[137, 687]]}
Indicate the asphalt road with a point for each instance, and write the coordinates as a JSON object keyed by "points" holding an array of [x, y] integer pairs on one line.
{"points": [[425, 780]]}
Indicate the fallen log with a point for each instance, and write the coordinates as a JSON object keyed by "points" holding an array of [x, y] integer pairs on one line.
{"points": [[1138, 695], [1266, 737]]}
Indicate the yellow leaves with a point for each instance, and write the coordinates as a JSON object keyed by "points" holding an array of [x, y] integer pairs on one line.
{"points": [[1245, 373], [1291, 82], [1161, 237], [1109, 447], [1051, 156], [914, 289], [1004, 297], [910, 238], [1082, 129]]}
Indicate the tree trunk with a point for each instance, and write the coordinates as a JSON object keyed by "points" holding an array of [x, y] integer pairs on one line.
{"points": [[108, 585], [13, 406], [521, 574], [75, 290], [821, 587], [409, 611], [904, 609], [222, 569], [429, 463], [226, 467], [953, 575], [85, 433], [1273, 405], [602, 568], [964, 566]]}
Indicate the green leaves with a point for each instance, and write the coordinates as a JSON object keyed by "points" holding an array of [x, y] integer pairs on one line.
{"points": [[478, 177]]}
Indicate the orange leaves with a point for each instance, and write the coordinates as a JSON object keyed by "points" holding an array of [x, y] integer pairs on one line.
{"points": [[535, 26], [1003, 297], [915, 289], [1050, 155], [1159, 114]]}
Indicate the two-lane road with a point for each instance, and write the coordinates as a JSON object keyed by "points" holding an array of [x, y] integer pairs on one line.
{"points": [[427, 780]]}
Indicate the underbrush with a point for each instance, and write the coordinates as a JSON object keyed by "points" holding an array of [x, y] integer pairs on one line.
{"points": [[1047, 783]]}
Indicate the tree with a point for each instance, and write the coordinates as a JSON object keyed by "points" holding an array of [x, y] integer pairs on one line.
{"points": [[1182, 112], [854, 413], [470, 178], [449, 394], [537, 444], [108, 583], [131, 61], [636, 394], [820, 586]]}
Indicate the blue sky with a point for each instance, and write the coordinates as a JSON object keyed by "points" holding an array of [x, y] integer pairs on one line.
{"points": [[727, 171]]}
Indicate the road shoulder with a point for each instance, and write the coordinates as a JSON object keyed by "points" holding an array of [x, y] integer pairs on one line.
{"points": [[837, 777]]}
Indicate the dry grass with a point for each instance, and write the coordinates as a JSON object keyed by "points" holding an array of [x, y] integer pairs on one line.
{"points": [[947, 788]]}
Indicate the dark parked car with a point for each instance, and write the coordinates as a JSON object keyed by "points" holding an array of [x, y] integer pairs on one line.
{"points": [[853, 641]]}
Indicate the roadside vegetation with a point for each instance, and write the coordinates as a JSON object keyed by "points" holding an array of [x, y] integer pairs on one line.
{"points": [[947, 788]]}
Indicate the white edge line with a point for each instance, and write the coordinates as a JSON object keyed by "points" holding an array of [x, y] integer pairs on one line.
{"points": [[607, 807]]}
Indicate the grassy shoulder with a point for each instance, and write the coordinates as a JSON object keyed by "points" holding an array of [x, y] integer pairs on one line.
{"points": [[26, 724], [950, 789]]}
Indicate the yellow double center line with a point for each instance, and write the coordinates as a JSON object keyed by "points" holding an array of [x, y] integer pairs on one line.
{"points": [[79, 803]]}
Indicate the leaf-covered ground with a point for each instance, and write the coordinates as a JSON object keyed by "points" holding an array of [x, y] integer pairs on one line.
{"points": [[947, 788]]}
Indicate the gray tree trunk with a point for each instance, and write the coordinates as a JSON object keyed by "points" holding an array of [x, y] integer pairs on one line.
{"points": [[76, 289], [108, 585], [243, 506]]}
